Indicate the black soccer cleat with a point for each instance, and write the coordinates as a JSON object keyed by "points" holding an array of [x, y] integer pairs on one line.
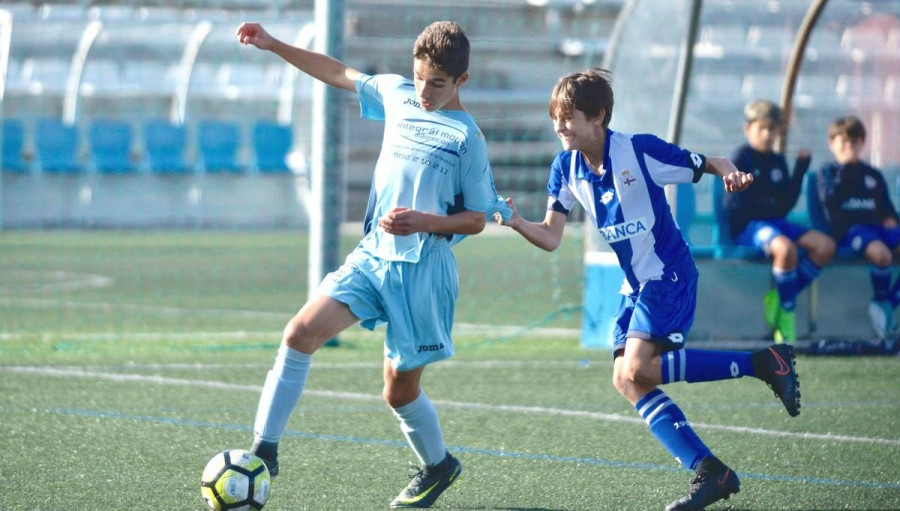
{"points": [[775, 365], [428, 484], [268, 452], [712, 482]]}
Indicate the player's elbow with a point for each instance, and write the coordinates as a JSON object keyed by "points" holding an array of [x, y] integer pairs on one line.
{"points": [[476, 224], [550, 245]]}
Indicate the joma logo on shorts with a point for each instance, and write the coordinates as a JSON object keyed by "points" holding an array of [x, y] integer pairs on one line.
{"points": [[430, 347]]}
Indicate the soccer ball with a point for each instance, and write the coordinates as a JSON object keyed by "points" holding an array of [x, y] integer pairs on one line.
{"points": [[235, 479]]}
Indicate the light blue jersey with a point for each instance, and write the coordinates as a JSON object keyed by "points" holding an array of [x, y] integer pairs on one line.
{"points": [[628, 203], [434, 162]]}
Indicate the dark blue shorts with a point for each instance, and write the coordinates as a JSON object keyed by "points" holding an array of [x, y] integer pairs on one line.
{"points": [[662, 311], [759, 233], [859, 236]]}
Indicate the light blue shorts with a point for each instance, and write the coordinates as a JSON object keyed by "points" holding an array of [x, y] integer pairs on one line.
{"points": [[415, 300], [661, 312]]}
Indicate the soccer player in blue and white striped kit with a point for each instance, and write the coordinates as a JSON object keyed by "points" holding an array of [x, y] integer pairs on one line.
{"points": [[619, 180], [432, 186]]}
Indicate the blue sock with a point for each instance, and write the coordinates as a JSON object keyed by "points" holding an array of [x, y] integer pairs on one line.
{"points": [[704, 365], [281, 393], [807, 271], [881, 282], [671, 428], [786, 283]]}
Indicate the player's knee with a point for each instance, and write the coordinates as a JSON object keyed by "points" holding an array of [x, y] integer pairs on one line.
{"points": [[298, 335], [621, 384], [878, 254], [826, 248], [399, 395], [630, 373], [784, 250]]}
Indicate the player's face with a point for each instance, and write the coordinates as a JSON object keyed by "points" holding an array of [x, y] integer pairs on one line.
{"points": [[761, 135], [436, 89], [577, 132], [844, 149]]}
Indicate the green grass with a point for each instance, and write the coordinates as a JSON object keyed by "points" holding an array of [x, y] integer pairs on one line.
{"points": [[115, 393]]}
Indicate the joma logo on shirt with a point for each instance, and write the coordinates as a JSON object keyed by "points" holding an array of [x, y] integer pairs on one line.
{"points": [[624, 230], [430, 347]]}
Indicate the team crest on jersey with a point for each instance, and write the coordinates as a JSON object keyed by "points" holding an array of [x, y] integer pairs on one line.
{"points": [[777, 175], [870, 182], [606, 197], [627, 180]]}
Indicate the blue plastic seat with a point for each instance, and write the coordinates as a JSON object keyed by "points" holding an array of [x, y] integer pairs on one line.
{"points": [[165, 144], [271, 143], [111, 146], [723, 244], [218, 143], [57, 146], [13, 146]]}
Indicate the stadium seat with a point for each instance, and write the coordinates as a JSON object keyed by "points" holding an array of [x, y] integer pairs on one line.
{"points": [[271, 143], [723, 245], [111, 146], [165, 144], [13, 146], [685, 208], [57, 146], [218, 143]]}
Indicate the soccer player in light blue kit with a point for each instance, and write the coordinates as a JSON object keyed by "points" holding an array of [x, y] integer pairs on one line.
{"points": [[432, 186], [619, 180]]}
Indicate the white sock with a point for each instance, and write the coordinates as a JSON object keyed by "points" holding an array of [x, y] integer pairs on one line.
{"points": [[419, 423], [281, 393]]}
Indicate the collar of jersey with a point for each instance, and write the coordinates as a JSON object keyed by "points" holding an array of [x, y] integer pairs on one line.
{"points": [[583, 171]]}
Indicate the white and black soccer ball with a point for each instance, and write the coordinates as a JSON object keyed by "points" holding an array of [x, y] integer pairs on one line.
{"points": [[235, 479]]}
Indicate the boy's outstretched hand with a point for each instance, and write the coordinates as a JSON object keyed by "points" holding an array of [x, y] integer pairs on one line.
{"points": [[737, 181], [255, 34], [510, 217]]}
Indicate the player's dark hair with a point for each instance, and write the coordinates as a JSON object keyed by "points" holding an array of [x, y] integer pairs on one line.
{"points": [[589, 91], [850, 126], [445, 46]]}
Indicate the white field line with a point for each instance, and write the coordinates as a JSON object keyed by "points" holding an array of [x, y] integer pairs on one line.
{"points": [[153, 309], [59, 281], [609, 417], [487, 331], [56, 281], [143, 336], [317, 365]]}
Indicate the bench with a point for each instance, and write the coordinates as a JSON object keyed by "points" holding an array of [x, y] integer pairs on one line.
{"points": [[723, 248]]}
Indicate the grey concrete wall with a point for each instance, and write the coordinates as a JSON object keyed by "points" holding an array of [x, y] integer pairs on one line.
{"points": [[144, 200], [730, 302]]}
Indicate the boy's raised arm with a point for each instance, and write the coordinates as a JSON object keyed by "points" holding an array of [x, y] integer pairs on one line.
{"points": [[320, 66], [735, 180]]}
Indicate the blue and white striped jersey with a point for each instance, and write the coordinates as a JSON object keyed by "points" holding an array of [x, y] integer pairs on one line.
{"points": [[628, 202]]}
